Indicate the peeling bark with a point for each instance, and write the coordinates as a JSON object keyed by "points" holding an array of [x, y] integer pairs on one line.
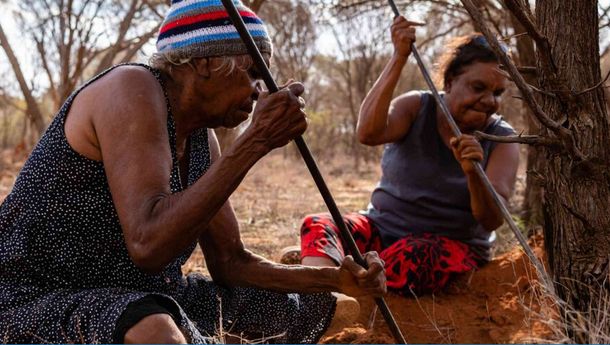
{"points": [[577, 191]]}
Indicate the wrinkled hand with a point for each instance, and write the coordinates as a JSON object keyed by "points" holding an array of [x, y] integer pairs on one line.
{"points": [[279, 117], [403, 35], [466, 149], [355, 280]]}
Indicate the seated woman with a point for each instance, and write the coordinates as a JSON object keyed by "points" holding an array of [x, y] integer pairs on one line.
{"points": [[430, 217], [126, 181]]}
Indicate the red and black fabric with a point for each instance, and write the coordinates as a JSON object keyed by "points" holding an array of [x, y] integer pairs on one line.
{"points": [[415, 264]]}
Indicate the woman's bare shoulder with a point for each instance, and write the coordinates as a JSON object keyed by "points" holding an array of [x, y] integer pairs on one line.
{"points": [[126, 91], [409, 102], [403, 112]]}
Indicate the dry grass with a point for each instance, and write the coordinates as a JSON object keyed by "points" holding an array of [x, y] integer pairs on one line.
{"points": [[570, 326]]}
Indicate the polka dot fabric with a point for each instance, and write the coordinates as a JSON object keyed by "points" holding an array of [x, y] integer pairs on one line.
{"points": [[66, 276]]}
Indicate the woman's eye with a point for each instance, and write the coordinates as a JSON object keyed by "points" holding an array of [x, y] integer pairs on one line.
{"points": [[253, 73]]}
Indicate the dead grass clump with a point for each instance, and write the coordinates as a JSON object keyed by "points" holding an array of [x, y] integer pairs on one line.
{"points": [[570, 326]]}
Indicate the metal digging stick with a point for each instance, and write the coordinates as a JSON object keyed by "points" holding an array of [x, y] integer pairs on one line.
{"points": [[310, 162], [547, 282]]}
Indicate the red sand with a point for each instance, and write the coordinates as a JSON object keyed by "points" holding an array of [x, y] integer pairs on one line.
{"points": [[496, 304]]}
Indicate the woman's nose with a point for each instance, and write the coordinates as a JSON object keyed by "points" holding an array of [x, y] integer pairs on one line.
{"points": [[257, 88], [490, 100]]}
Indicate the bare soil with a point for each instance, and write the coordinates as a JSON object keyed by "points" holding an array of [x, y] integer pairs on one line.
{"points": [[500, 303], [497, 304]]}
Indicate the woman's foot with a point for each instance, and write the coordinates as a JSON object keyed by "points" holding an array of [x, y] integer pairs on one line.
{"points": [[290, 255]]}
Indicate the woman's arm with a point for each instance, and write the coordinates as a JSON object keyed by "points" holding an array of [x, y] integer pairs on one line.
{"points": [[231, 264], [131, 127], [501, 171], [378, 123]]}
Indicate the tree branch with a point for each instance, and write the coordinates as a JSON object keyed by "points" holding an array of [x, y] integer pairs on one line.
{"points": [[47, 69], [533, 140], [495, 23], [108, 58], [153, 9], [524, 16], [7, 100], [527, 70], [143, 39], [595, 86], [443, 33], [33, 112]]}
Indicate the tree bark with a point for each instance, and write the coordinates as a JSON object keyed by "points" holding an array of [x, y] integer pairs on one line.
{"points": [[577, 192], [33, 111]]}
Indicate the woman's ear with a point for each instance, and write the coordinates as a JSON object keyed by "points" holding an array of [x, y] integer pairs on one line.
{"points": [[203, 68], [447, 87]]}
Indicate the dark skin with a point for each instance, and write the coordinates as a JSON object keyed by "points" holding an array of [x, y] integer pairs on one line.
{"points": [[121, 120], [472, 97]]}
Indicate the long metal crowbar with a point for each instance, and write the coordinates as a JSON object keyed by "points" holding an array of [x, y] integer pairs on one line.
{"points": [[260, 64], [479, 170]]}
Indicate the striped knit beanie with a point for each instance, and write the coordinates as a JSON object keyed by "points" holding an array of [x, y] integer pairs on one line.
{"points": [[202, 28]]}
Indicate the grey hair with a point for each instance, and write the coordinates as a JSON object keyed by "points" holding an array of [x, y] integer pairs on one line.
{"points": [[226, 64]]}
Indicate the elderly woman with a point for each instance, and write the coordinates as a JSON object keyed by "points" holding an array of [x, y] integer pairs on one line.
{"points": [[125, 182], [430, 217]]}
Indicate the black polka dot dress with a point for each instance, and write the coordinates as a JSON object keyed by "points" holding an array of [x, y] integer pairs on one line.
{"points": [[66, 276]]}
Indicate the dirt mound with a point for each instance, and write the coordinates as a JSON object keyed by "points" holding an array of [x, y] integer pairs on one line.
{"points": [[497, 304]]}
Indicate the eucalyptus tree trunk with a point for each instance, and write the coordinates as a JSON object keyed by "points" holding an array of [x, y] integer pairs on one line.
{"points": [[577, 191]]}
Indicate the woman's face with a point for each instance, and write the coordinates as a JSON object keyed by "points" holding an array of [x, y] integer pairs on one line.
{"points": [[230, 98], [474, 95]]}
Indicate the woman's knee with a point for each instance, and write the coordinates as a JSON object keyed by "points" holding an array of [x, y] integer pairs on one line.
{"points": [[318, 225], [155, 329]]}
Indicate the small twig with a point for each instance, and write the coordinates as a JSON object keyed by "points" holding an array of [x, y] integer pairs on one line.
{"points": [[544, 92], [441, 34], [509, 37], [524, 17], [153, 9], [527, 69], [534, 140], [433, 322], [595, 86]]}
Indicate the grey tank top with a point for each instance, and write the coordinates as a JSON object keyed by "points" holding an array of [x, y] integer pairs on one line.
{"points": [[423, 188]]}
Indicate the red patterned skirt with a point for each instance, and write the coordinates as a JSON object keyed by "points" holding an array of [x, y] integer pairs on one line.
{"points": [[417, 264]]}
